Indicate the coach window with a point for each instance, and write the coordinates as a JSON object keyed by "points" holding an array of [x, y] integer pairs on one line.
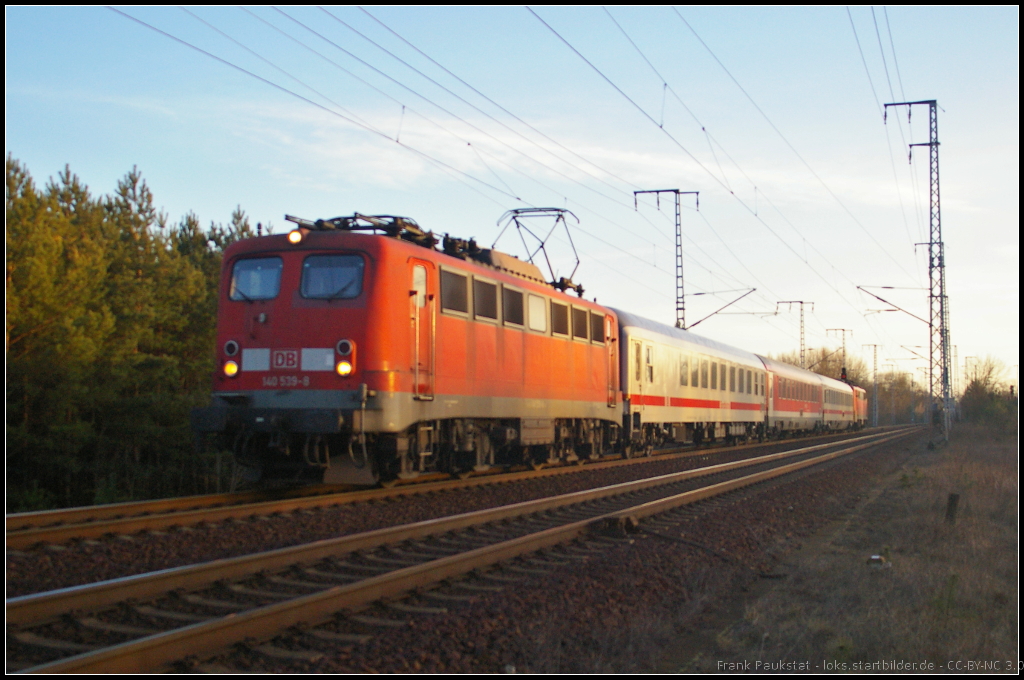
{"points": [[559, 319], [538, 314], [580, 324], [739, 381], [256, 279], [714, 375], [694, 372], [454, 293], [485, 300], [749, 376], [636, 361], [684, 370], [597, 328], [704, 373], [650, 364], [732, 378], [512, 306]]}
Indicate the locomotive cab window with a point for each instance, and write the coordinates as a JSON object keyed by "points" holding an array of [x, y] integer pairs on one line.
{"points": [[485, 300], [512, 306], [454, 294], [256, 279], [559, 319], [332, 277]]}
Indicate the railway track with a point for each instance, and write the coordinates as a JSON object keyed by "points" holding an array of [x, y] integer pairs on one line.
{"points": [[25, 530], [145, 622]]}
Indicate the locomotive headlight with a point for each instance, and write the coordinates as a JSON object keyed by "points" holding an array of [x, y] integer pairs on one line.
{"points": [[230, 369], [343, 368], [294, 236]]}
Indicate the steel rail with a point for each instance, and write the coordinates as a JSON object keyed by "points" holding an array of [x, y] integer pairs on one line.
{"points": [[155, 651], [48, 526], [39, 606]]}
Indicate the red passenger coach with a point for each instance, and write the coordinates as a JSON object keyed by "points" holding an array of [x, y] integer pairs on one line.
{"points": [[801, 401], [339, 349]]}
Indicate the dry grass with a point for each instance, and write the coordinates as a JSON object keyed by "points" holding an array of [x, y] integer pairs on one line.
{"points": [[948, 591]]}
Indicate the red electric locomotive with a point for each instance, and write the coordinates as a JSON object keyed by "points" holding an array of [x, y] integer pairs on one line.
{"points": [[353, 356], [339, 349]]}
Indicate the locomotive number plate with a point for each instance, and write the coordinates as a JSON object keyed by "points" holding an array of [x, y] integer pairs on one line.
{"points": [[286, 381]]}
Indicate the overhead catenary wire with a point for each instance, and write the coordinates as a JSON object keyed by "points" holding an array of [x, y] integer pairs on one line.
{"points": [[699, 163], [691, 156], [740, 169], [489, 116], [793, 149], [881, 110], [445, 110], [425, 156], [496, 104]]}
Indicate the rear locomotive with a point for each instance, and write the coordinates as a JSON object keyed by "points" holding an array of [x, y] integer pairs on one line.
{"points": [[352, 349]]}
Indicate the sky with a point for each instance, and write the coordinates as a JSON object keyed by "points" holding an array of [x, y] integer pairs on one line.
{"points": [[454, 116]]}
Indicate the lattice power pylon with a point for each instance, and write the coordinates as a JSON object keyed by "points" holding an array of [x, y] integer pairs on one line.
{"points": [[940, 372], [680, 295]]}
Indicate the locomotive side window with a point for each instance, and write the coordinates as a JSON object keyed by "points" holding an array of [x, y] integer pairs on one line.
{"points": [[597, 327], [256, 279], [454, 296], [559, 318], [332, 277], [485, 300], [579, 323], [419, 284], [538, 314], [512, 305]]}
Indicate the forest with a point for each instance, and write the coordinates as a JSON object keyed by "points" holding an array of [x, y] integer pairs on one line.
{"points": [[111, 323], [111, 313]]}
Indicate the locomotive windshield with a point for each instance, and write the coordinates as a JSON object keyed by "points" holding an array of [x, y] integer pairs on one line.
{"points": [[256, 279], [332, 277]]}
